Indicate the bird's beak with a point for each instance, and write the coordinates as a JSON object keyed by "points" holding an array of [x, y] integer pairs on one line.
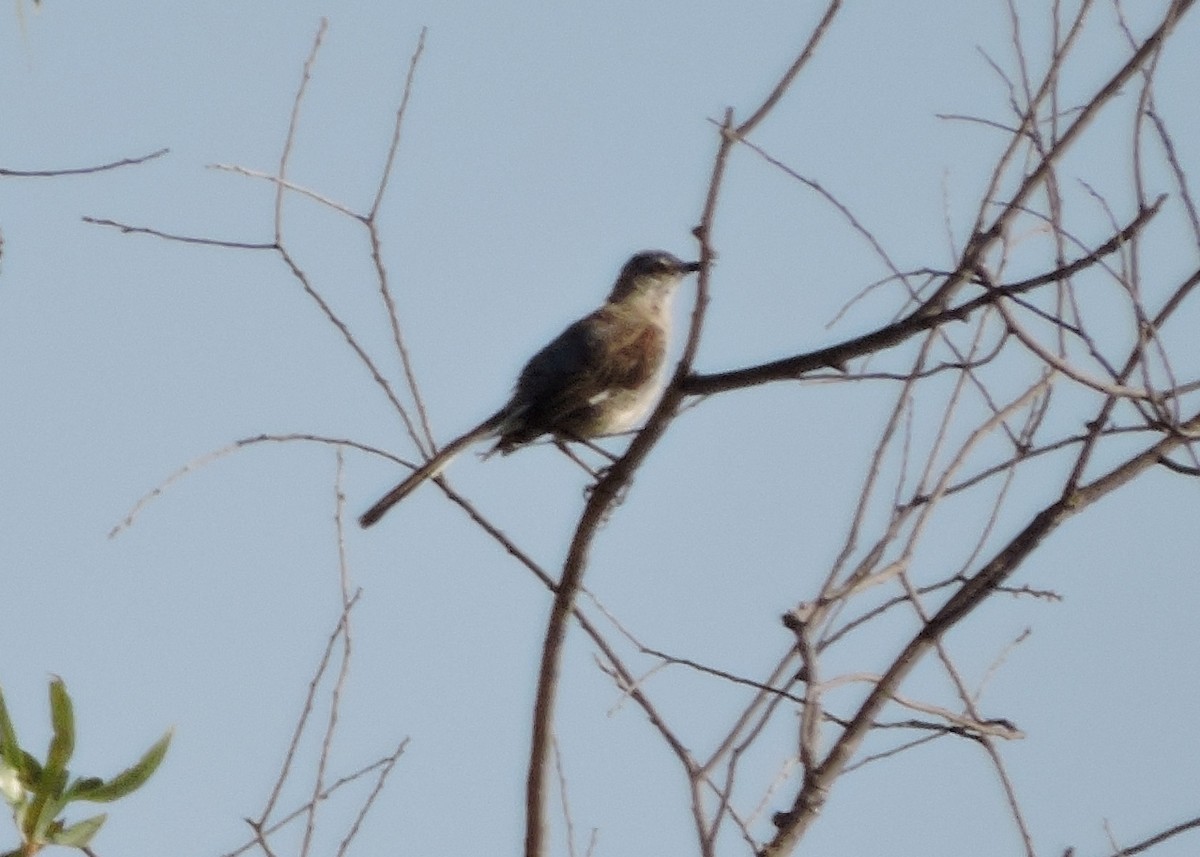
{"points": [[690, 267]]}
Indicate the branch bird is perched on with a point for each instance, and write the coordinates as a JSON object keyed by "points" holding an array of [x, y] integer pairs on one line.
{"points": [[599, 376]]}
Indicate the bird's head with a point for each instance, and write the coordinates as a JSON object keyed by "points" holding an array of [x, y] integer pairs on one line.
{"points": [[653, 273]]}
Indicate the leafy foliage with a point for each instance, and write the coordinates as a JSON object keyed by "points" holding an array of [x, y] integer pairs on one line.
{"points": [[39, 792]]}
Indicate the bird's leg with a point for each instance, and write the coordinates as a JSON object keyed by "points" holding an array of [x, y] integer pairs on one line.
{"points": [[566, 450], [598, 449], [596, 474]]}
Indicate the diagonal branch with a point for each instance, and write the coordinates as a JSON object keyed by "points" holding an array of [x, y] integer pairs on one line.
{"points": [[836, 356], [794, 823], [607, 490]]}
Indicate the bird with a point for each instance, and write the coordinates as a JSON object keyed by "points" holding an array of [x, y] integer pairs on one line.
{"points": [[600, 376]]}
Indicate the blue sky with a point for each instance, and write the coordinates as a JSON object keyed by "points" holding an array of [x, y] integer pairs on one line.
{"points": [[543, 144]]}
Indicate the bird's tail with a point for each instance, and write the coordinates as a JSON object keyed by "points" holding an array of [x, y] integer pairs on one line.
{"points": [[430, 469]]}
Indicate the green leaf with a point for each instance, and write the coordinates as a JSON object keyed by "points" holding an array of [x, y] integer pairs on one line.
{"points": [[47, 800], [131, 778], [10, 750], [43, 822], [31, 771], [62, 716], [79, 834], [45, 806], [81, 786]]}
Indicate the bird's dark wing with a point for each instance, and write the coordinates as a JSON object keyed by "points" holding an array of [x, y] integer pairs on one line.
{"points": [[575, 353], [561, 385]]}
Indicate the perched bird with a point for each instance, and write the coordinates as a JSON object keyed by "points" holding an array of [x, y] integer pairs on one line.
{"points": [[599, 376]]}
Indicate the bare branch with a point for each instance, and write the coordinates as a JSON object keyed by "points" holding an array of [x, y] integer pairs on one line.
{"points": [[185, 239], [292, 186], [425, 443], [837, 356], [1157, 839], [217, 454], [82, 171]]}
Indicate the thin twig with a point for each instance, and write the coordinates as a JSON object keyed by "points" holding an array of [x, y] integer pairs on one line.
{"points": [[185, 239], [217, 454], [425, 443], [292, 186], [384, 764], [80, 171]]}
